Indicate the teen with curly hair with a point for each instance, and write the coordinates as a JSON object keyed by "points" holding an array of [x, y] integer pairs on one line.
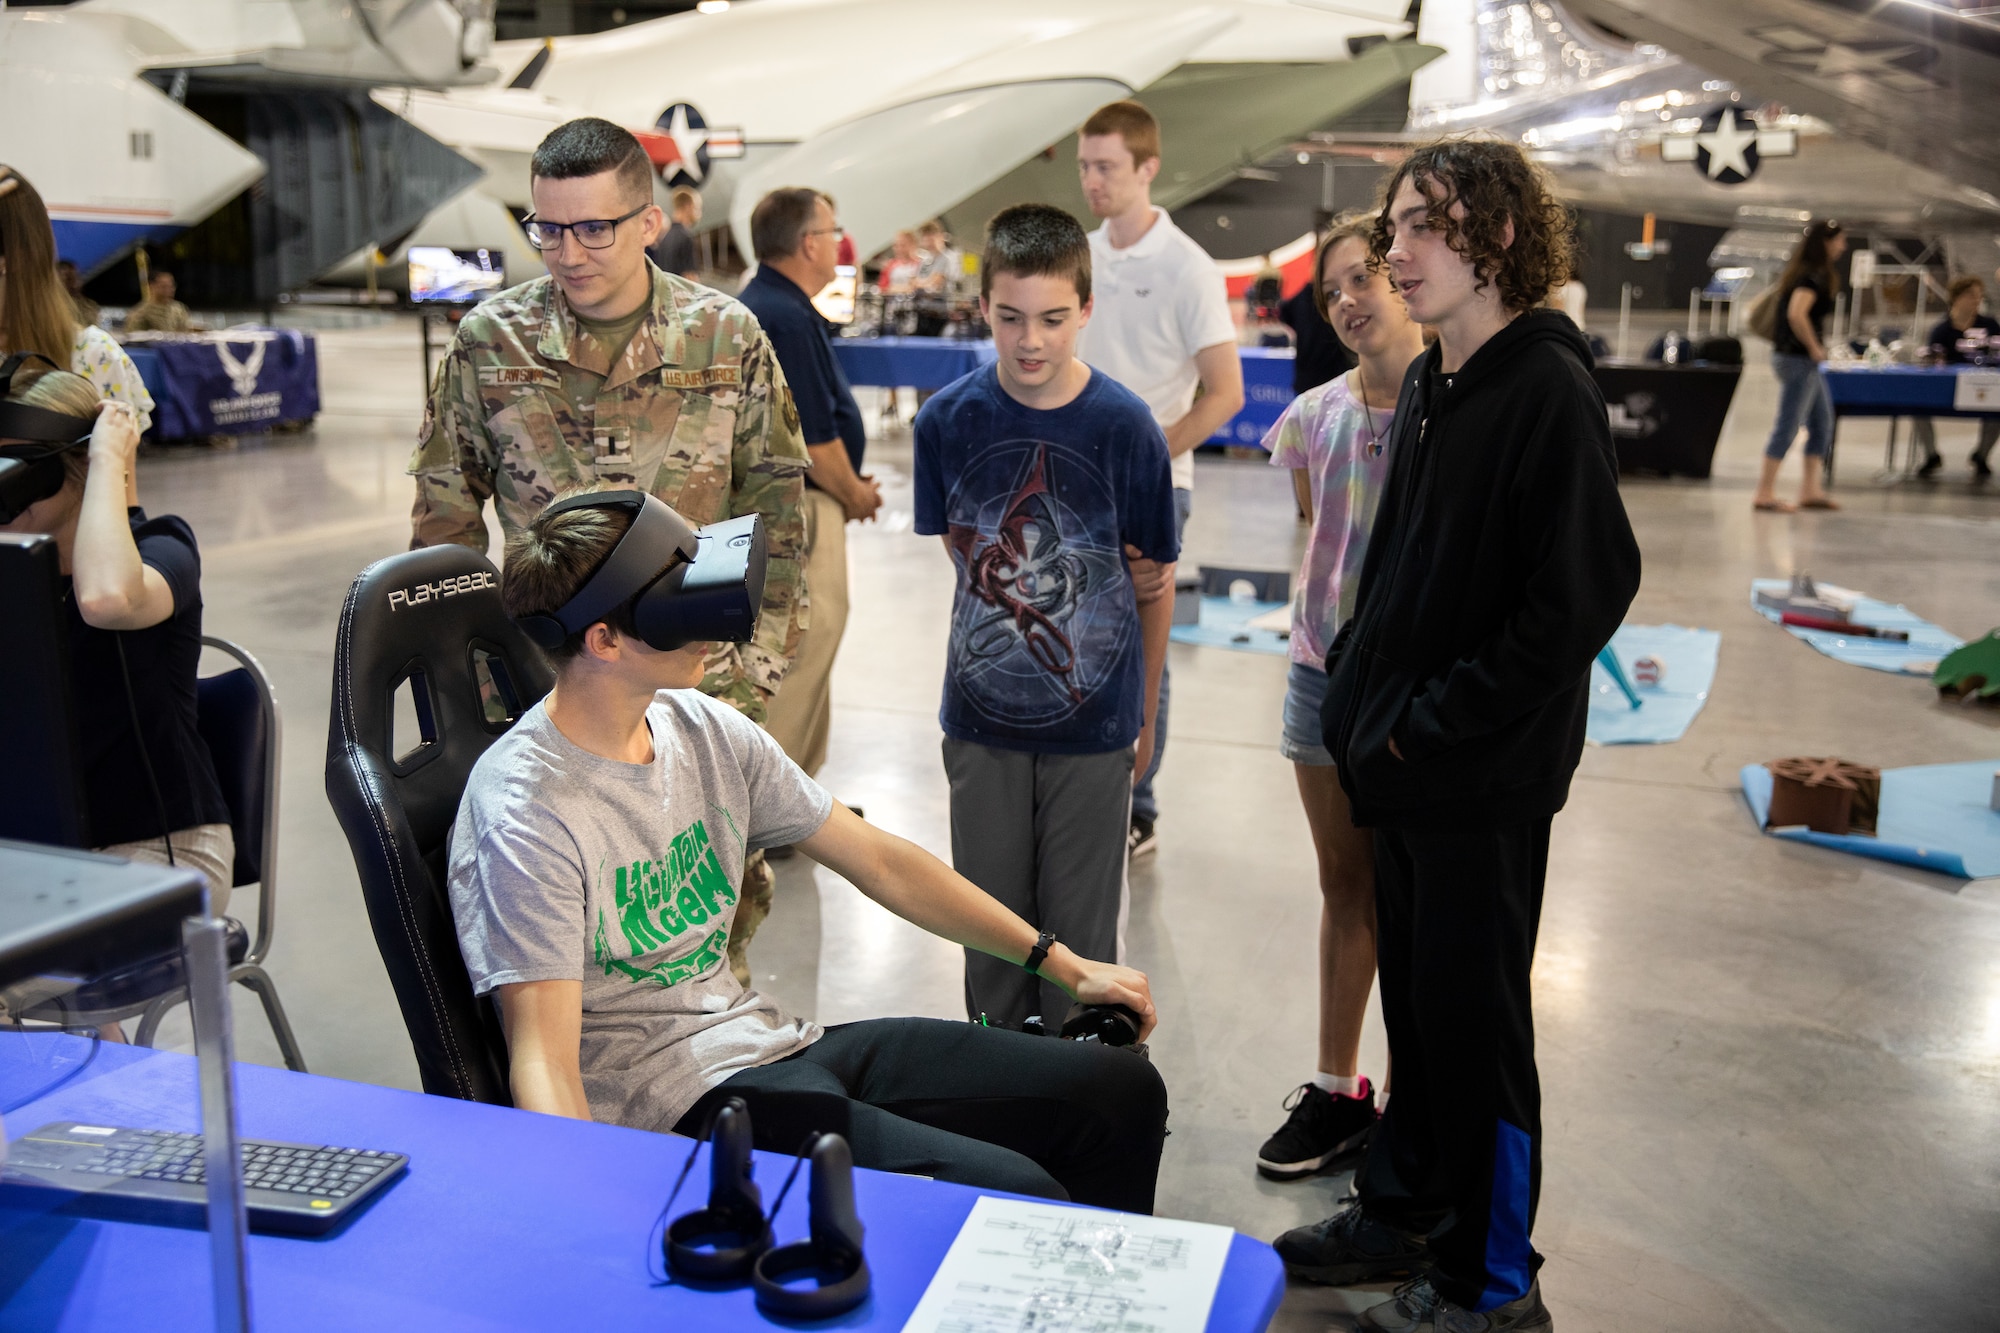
{"points": [[1500, 563]]}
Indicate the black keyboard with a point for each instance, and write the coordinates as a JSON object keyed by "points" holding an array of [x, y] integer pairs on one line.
{"points": [[150, 1175]]}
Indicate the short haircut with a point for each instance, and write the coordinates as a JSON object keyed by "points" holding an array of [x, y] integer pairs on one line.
{"points": [[682, 197], [1129, 121], [588, 147], [779, 223], [1496, 184], [1960, 286], [58, 391], [1036, 240], [553, 556], [1356, 224]]}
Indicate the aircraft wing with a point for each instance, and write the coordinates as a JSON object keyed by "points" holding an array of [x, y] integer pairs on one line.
{"points": [[131, 164], [951, 134], [1913, 80], [431, 43]]}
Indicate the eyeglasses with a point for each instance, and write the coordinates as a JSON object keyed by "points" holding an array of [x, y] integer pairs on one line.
{"points": [[827, 231], [596, 234]]}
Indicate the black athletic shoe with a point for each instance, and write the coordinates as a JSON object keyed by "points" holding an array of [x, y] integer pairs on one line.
{"points": [[1931, 466], [1350, 1249], [1418, 1308], [1981, 469], [1322, 1128], [1141, 839]]}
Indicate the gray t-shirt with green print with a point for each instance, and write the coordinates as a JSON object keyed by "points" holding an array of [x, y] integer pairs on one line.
{"points": [[569, 866]]}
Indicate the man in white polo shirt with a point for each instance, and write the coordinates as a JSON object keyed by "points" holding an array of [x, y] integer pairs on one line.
{"points": [[1161, 327]]}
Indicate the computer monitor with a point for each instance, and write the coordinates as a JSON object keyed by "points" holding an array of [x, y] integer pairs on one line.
{"points": [[41, 778], [443, 276]]}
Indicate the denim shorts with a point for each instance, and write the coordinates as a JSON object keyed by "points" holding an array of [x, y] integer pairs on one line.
{"points": [[1302, 742]]}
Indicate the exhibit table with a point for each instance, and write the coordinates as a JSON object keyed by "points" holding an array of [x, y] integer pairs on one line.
{"points": [[911, 363], [1666, 418], [230, 382], [1909, 391], [505, 1220], [932, 363]]}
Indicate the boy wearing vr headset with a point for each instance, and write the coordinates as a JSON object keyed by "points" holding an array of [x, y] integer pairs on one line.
{"points": [[595, 878], [132, 600]]}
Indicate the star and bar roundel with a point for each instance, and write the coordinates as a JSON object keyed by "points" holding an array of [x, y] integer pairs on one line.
{"points": [[1728, 146], [682, 145]]}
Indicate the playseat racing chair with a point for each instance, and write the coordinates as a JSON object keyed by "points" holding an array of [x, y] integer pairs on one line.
{"points": [[429, 622]]}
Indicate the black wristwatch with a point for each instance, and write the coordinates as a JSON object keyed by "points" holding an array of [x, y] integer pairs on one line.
{"points": [[1040, 953]]}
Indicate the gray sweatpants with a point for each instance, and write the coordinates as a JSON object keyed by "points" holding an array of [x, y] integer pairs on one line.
{"points": [[1045, 834]]}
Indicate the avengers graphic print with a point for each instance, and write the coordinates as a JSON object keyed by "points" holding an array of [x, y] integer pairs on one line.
{"points": [[1036, 508]]}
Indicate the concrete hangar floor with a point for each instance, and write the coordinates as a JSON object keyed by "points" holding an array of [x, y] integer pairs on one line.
{"points": [[1771, 1072]]}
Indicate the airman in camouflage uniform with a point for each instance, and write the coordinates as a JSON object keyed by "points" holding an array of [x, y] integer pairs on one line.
{"points": [[696, 411]]}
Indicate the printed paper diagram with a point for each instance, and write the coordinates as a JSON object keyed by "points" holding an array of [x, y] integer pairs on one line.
{"points": [[1020, 1267]]}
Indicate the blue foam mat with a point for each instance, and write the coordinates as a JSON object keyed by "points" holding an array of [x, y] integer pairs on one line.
{"points": [[1667, 709], [1226, 624], [1918, 657], [1936, 817]]}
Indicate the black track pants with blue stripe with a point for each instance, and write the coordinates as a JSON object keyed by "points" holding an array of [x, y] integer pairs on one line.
{"points": [[1459, 1151]]}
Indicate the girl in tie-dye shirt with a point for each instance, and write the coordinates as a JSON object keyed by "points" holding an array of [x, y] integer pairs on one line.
{"points": [[1336, 440]]}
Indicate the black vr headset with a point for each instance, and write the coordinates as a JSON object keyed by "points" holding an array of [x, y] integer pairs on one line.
{"points": [[684, 586], [33, 471]]}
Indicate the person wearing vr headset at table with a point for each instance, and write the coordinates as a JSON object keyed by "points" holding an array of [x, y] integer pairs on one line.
{"points": [[594, 880], [132, 599], [608, 371], [36, 312]]}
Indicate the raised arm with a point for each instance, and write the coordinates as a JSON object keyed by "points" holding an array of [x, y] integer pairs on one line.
{"points": [[544, 1025], [115, 589], [926, 892]]}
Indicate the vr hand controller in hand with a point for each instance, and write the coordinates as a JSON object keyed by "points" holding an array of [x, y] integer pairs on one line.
{"points": [[685, 585]]}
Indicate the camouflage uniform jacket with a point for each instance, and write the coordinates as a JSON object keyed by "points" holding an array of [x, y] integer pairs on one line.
{"points": [[696, 411]]}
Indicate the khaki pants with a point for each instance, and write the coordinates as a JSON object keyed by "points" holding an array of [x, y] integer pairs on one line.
{"points": [[803, 709]]}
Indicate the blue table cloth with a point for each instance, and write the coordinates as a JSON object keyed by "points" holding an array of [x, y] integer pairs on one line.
{"points": [[233, 382], [505, 1220], [1894, 391], [932, 363], [914, 363], [1267, 392]]}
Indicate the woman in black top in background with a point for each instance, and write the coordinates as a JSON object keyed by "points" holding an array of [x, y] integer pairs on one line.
{"points": [[1808, 284], [133, 602], [1962, 317]]}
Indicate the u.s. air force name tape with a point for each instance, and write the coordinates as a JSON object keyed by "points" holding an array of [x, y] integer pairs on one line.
{"points": [[419, 594]]}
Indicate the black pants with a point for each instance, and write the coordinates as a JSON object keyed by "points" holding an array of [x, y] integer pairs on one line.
{"points": [[974, 1105], [1459, 1151]]}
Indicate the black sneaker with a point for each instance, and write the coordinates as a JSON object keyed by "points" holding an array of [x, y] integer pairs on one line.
{"points": [[1141, 839], [1981, 470], [1323, 1127], [1931, 466], [1351, 1248], [1418, 1308]]}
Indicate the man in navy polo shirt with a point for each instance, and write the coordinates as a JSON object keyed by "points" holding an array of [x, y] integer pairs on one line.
{"points": [[797, 243]]}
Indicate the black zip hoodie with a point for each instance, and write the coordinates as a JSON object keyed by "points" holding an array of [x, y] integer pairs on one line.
{"points": [[1500, 563]]}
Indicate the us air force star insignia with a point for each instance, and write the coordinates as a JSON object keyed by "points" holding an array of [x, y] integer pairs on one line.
{"points": [[1729, 146], [689, 138]]}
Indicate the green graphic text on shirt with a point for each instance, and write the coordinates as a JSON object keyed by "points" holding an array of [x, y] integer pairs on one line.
{"points": [[660, 900]]}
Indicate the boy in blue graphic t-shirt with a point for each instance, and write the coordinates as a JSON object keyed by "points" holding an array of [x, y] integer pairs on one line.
{"points": [[1041, 474]]}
